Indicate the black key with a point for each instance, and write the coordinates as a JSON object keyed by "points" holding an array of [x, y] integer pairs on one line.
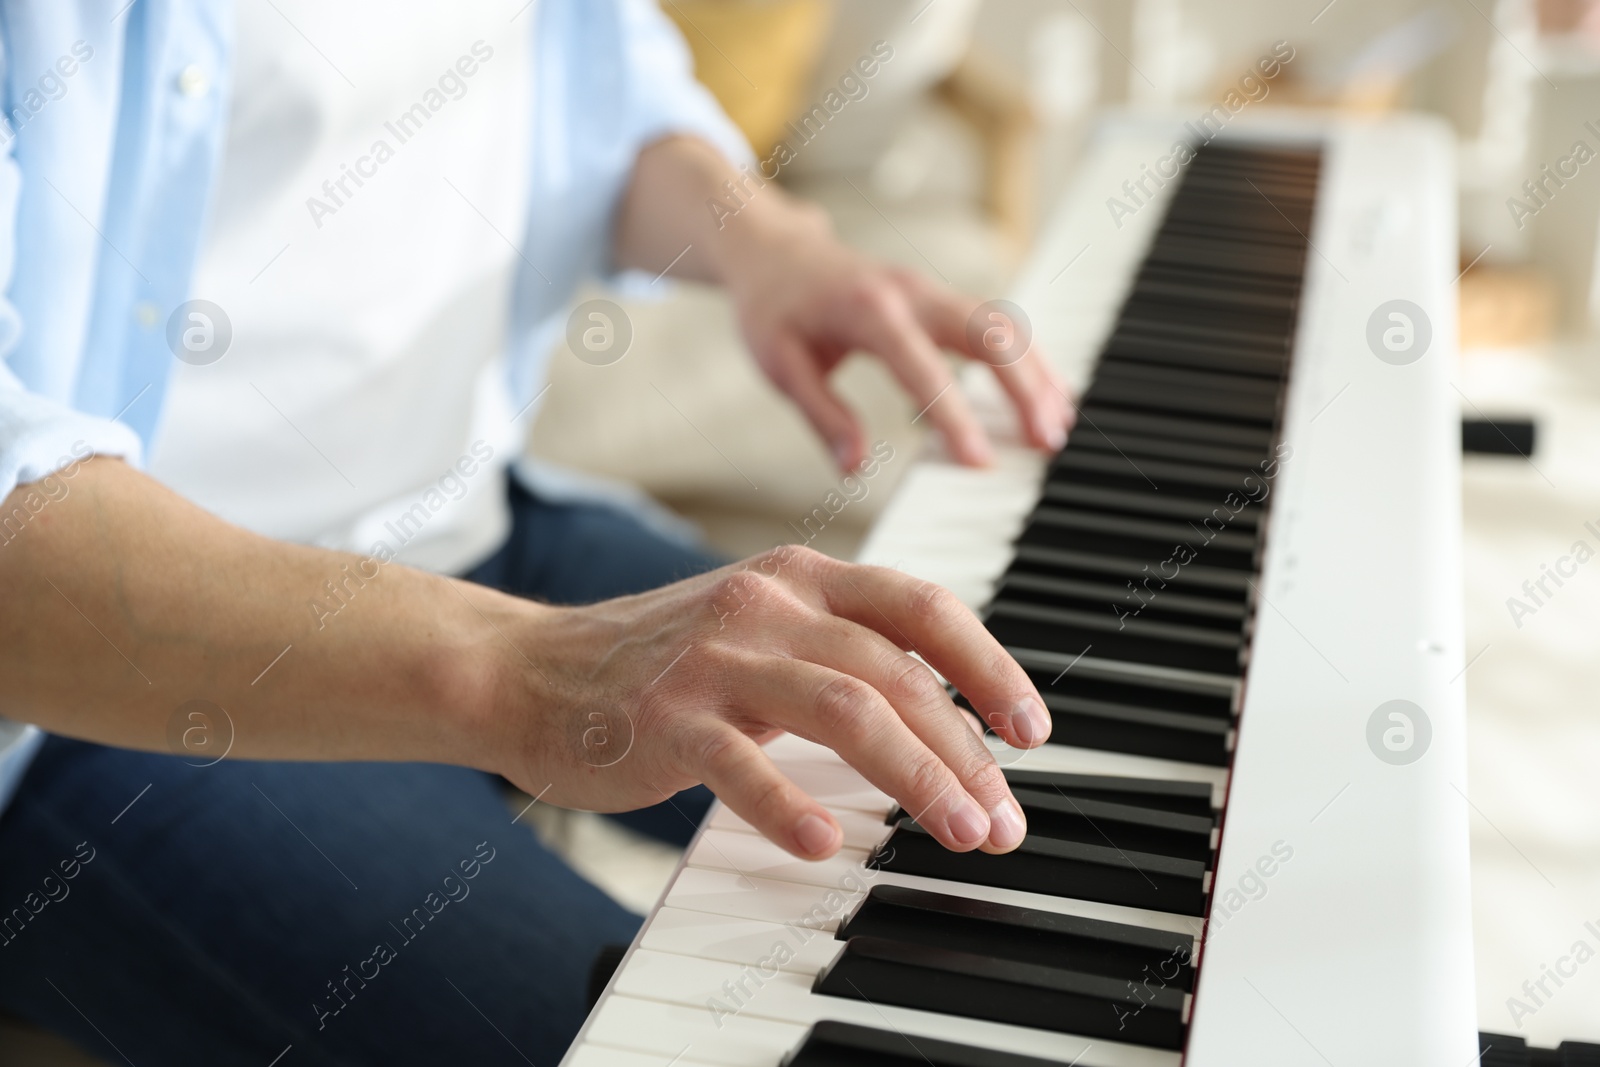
{"points": [[978, 986], [1084, 665], [1112, 419], [1145, 501], [835, 1044], [1139, 446], [1141, 396], [1222, 381], [1170, 794], [1062, 816], [1043, 559], [1218, 537], [1141, 720], [1150, 601], [1140, 731], [1267, 364], [1151, 551], [1194, 478], [1135, 640], [1055, 868], [1025, 935]]}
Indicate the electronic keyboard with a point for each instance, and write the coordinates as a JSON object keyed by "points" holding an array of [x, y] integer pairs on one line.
{"points": [[1237, 589]]}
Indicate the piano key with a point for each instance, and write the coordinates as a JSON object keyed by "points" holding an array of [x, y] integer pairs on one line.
{"points": [[1097, 666], [1141, 731], [1041, 865], [601, 1056], [1165, 448], [862, 830], [1044, 589], [1111, 419], [1143, 396], [664, 1030], [1134, 370], [1167, 473], [1045, 559], [737, 940], [1025, 935], [1139, 557], [1256, 228], [1124, 619], [746, 855], [978, 986], [1190, 352], [834, 1044], [725, 993], [1131, 641], [723, 892], [1145, 529], [1141, 502], [1063, 815], [1270, 326], [1168, 794]]}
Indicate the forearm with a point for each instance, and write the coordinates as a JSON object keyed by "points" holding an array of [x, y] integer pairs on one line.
{"points": [[671, 205], [123, 602]]}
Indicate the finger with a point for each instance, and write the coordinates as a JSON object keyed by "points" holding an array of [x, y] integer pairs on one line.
{"points": [[1026, 377], [848, 715], [889, 329], [922, 703], [745, 779], [802, 379], [929, 620]]}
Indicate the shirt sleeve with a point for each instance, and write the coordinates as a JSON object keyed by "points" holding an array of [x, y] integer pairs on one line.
{"points": [[39, 435], [665, 98]]}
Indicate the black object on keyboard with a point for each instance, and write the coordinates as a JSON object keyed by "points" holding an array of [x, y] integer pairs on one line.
{"points": [[1500, 437], [1501, 1050], [835, 1044]]}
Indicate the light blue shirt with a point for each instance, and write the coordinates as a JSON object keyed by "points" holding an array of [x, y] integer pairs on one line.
{"points": [[116, 117]]}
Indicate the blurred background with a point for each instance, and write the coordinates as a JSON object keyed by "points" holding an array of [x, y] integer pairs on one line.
{"points": [[951, 163]]}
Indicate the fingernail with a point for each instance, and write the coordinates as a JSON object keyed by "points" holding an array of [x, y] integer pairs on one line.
{"points": [[1055, 436], [843, 453], [1007, 827], [1030, 721], [968, 824], [815, 834]]}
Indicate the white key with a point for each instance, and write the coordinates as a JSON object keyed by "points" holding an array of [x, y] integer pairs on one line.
{"points": [[664, 1030], [736, 940], [862, 830], [725, 893], [750, 858], [599, 1056], [726, 993]]}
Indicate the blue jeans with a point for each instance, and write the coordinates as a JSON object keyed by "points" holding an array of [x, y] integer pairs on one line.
{"points": [[330, 913]]}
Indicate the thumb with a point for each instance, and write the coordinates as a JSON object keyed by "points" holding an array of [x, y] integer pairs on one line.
{"points": [[799, 376]]}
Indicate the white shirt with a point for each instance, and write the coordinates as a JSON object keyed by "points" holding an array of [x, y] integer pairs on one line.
{"points": [[362, 248]]}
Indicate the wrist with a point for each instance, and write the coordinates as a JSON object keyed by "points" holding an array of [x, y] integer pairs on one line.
{"points": [[485, 678], [767, 230]]}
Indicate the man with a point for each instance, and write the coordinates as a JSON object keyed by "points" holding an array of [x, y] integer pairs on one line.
{"points": [[381, 212]]}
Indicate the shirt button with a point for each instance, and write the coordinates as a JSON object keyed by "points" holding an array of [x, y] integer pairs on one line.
{"points": [[192, 81], [147, 313]]}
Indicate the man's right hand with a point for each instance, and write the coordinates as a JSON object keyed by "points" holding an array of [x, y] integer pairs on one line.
{"points": [[687, 680]]}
